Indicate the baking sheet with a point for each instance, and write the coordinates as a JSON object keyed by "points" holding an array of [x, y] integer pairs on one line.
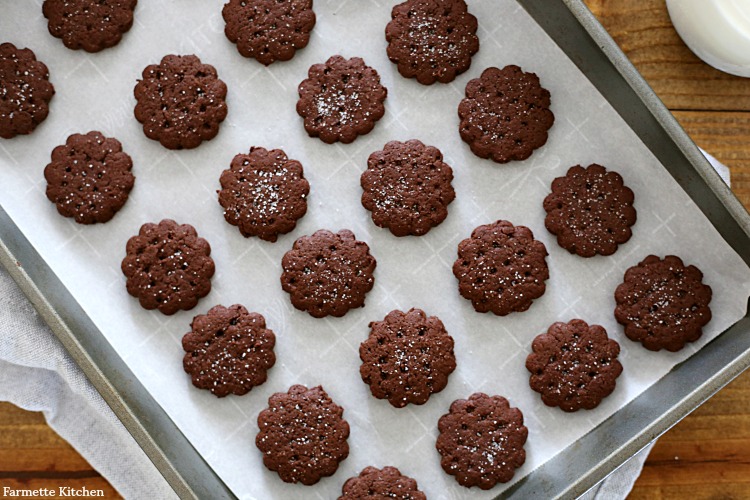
{"points": [[95, 92]]}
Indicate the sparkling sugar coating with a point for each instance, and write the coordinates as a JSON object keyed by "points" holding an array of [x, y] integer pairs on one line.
{"points": [[91, 25], [376, 484], [180, 102], [89, 177], [432, 40], [328, 273], [341, 99], [264, 193], [25, 91], [590, 210], [168, 267], [662, 303], [481, 440], [505, 115], [407, 357], [303, 435], [269, 30], [407, 187], [501, 268], [228, 350], [574, 365]]}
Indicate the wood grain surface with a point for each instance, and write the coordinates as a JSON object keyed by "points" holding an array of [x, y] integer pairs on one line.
{"points": [[707, 455], [33, 456]]}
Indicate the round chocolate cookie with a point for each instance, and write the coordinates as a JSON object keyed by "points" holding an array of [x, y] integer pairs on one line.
{"points": [[25, 91], [341, 100], [407, 357], [432, 40], [89, 178], [228, 350], [264, 193], [481, 440], [590, 211], [328, 273], [269, 30], [574, 365], [168, 267], [501, 268], [407, 187], [662, 303], [181, 102], [505, 115], [375, 484], [91, 25], [302, 435]]}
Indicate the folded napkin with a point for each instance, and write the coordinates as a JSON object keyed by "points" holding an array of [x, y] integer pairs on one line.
{"points": [[37, 374]]}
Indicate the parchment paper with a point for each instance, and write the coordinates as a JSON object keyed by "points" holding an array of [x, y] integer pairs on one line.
{"points": [[95, 92]]}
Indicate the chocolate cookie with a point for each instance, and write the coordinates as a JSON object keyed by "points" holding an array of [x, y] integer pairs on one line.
{"points": [[374, 484], [574, 365], [407, 187], [91, 25], [663, 303], [25, 91], [269, 30], [501, 268], [302, 435], [228, 350], [89, 178], [481, 441], [328, 273], [341, 99], [168, 267], [590, 211], [181, 102], [407, 357], [505, 115], [264, 193], [432, 40]]}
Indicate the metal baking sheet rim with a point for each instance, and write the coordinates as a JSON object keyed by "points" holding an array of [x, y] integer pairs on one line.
{"points": [[573, 471]]}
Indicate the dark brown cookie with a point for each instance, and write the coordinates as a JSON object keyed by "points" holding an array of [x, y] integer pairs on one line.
{"points": [[432, 40], [228, 350], [328, 273], [501, 268], [481, 440], [302, 435], [264, 193], [375, 484], [25, 91], [168, 267], [590, 211], [91, 25], [269, 30], [407, 187], [341, 100], [181, 102], [89, 178], [505, 115], [663, 303], [574, 365], [407, 357]]}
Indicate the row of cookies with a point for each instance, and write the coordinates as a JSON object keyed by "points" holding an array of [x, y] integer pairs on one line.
{"points": [[303, 437], [341, 99], [273, 30]]}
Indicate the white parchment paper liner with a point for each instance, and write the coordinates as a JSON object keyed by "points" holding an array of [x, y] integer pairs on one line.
{"points": [[95, 92]]}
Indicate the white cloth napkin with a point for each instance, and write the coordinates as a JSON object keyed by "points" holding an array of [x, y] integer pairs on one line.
{"points": [[37, 374]]}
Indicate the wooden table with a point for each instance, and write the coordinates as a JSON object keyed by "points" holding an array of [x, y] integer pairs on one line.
{"points": [[707, 455]]}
